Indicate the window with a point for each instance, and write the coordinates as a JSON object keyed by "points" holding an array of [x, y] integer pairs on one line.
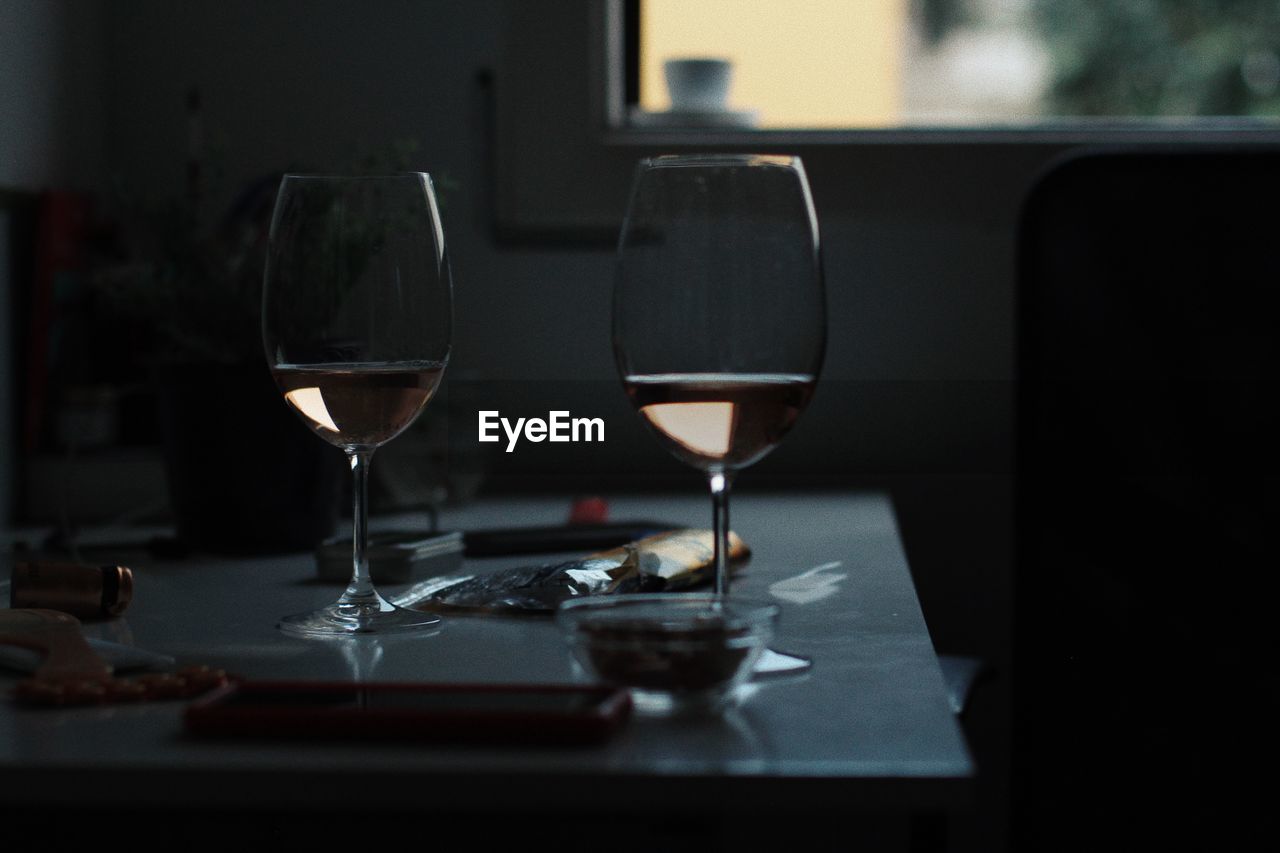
{"points": [[813, 63], [564, 148], [956, 63]]}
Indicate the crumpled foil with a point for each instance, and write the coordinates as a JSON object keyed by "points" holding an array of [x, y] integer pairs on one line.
{"points": [[678, 559]]}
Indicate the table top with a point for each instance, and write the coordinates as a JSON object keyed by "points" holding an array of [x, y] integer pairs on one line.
{"points": [[869, 724]]}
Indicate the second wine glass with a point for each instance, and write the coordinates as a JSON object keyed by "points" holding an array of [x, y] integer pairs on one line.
{"points": [[356, 322], [719, 312]]}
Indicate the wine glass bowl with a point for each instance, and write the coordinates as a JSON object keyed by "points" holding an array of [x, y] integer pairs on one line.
{"points": [[359, 407], [719, 311], [356, 322], [720, 421]]}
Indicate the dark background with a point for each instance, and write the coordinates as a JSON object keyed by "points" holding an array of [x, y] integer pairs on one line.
{"points": [[920, 241]]}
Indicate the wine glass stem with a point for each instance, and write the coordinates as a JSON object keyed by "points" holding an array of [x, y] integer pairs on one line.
{"points": [[361, 587], [720, 482]]}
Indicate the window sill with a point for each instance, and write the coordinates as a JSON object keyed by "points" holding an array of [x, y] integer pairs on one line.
{"points": [[1057, 132], [563, 158]]}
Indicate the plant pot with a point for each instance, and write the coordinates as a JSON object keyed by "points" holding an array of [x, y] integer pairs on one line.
{"points": [[245, 475]]}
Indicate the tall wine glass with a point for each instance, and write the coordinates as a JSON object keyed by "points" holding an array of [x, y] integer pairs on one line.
{"points": [[719, 314], [356, 321]]}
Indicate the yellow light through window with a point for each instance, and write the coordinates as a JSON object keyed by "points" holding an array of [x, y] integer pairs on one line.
{"points": [[800, 63]]}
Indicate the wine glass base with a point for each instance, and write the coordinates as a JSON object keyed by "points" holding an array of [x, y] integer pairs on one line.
{"points": [[346, 620], [659, 703]]}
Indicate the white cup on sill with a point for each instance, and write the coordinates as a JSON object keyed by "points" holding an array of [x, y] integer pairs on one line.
{"points": [[698, 84]]}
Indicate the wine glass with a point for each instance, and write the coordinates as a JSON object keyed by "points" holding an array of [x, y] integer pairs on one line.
{"points": [[719, 314], [356, 321]]}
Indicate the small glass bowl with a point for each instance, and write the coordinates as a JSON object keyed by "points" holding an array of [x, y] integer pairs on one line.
{"points": [[677, 653]]}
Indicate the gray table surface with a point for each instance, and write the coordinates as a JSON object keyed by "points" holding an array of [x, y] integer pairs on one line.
{"points": [[869, 725]]}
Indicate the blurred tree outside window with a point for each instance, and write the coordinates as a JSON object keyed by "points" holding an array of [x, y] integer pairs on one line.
{"points": [[900, 63]]}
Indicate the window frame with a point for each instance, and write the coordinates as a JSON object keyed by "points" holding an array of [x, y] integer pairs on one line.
{"points": [[545, 152]]}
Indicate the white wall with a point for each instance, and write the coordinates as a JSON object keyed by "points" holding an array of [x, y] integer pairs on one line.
{"points": [[305, 85]]}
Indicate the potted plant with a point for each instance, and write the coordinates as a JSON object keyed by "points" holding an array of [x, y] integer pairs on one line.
{"points": [[244, 475]]}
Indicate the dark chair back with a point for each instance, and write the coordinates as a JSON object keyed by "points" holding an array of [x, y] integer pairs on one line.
{"points": [[1145, 680]]}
